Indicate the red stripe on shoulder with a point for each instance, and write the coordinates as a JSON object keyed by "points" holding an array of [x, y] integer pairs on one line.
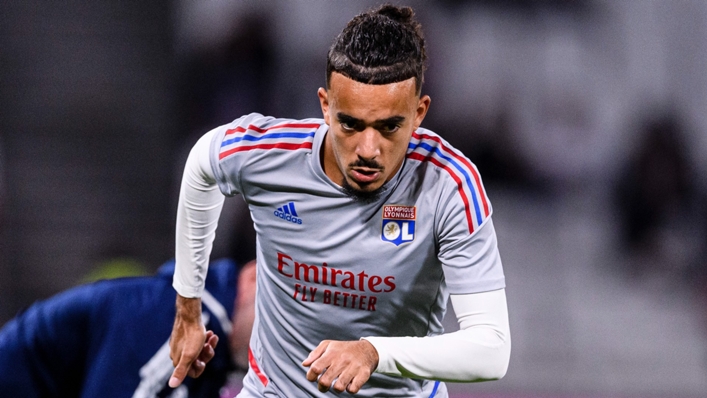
{"points": [[280, 145], [466, 163], [460, 184], [241, 129], [295, 126], [238, 129]]}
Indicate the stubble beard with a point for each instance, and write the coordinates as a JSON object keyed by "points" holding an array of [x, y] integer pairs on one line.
{"points": [[358, 195]]}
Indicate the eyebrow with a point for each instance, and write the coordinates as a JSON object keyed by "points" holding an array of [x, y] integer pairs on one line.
{"points": [[354, 121]]}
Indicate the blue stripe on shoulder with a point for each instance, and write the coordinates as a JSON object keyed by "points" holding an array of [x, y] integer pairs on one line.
{"points": [[435, 150], [266, 136]]}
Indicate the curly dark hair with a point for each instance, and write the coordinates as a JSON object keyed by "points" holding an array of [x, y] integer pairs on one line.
{"points": [[381, 46]]}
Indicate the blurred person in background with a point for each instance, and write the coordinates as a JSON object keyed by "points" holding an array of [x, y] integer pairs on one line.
{"points": [[3, 249], [367, 224], [2, 184], [232, 75], [110, 338], [658, 202]]}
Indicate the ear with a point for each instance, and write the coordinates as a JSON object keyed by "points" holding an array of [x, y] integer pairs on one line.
{"points": [[423, 105], [324, 102]]}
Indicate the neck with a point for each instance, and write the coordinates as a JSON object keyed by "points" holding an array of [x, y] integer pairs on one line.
{"points": [[328, 161]]}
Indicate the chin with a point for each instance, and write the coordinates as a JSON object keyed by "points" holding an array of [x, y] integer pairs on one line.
{"points": [[366, 193]]}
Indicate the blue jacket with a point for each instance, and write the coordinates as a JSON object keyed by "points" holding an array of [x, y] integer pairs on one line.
{"points": [[110, 339]]}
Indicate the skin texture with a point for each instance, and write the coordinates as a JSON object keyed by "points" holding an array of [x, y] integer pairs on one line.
{"points": [[192, 346], [350, 363], [369, 130], [370, 125]]}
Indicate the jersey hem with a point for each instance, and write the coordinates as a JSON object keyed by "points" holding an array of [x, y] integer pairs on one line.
{"points": [[187, 291], [471, 288]]}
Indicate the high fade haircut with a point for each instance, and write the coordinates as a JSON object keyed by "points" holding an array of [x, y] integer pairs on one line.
{"points": [[381, 46]]}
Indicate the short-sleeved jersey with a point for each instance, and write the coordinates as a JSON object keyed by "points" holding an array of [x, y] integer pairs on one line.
{"points": [[332, 267]]}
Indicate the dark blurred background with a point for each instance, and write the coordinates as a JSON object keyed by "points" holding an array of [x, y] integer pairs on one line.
{"points": [[586, 118]]}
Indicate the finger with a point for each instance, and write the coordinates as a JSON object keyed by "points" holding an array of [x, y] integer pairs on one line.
{"points": [[212, 341], [343, 381], [207, 354], [180, 372], [313, 373], [331, 374], [323, 387], [358, 381], [174, 354], [196, 369], [316, 353], [321, 368], [208, 350], [175, 351]]}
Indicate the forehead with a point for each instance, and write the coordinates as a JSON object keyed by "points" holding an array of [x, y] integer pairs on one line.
{"points": [[371, 101]]}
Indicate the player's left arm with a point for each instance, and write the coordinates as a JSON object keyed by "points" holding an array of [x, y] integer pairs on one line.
{"points": [[479, 351], [473, 275]]}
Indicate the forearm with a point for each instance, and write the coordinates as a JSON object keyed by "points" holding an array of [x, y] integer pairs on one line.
{"points": [[188, 309], [479, 351], [198, 211]]}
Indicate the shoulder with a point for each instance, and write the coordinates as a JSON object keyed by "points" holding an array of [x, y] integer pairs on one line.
{"points": [[461, 179], [256, 122], [255, 132], [428, 147]]}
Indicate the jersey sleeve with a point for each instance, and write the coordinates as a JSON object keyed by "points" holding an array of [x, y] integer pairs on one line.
{"points": [[480, 350], [468, 248], [232, 147], [198, 211]]}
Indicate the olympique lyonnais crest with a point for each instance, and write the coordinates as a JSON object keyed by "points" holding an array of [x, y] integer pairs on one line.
{"points": [[398, 224]]}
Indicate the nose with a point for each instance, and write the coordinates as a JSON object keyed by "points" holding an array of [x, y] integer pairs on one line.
{"points": [[368, 144]]}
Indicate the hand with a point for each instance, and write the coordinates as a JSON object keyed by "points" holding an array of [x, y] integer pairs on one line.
{"points": [[191, 346], [350, 363]]}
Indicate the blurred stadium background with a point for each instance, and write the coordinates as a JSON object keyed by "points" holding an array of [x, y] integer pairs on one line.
{"points": [[586, 118]]}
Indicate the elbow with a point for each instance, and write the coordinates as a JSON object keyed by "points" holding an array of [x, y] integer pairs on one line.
{"points": [[500, 364], [496, 365], [500, 370]]}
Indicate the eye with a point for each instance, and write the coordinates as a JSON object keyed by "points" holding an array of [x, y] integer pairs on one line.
{"points": [[389, 128], [347, 126]]}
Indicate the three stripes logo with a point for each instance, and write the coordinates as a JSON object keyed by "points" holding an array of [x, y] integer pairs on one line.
{"points": [[288, 213]]}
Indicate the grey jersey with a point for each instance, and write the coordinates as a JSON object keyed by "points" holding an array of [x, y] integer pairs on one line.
{"points": [[331, 267]]}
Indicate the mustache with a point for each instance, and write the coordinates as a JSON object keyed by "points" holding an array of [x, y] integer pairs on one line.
{"points": [[368, 163]]}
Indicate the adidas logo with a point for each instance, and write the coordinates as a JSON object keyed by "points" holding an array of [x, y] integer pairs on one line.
{"points": [[288, 213]]}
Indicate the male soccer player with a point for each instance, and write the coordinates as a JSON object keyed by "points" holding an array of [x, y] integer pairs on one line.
{"points": [[366, 224], [109, 338]]}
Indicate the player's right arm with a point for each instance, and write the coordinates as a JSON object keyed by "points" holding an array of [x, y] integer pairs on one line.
{"points": [[201, 198], [199, 208]]}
